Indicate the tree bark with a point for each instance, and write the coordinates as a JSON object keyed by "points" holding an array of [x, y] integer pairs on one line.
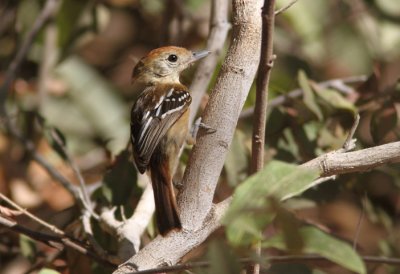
{"points": [[199, 215]]}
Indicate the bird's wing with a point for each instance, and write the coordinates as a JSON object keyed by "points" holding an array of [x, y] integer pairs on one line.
{"points": [[152, 116]]}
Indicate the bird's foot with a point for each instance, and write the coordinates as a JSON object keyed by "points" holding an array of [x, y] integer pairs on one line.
{"points": [[197, 125], [177, 184]]}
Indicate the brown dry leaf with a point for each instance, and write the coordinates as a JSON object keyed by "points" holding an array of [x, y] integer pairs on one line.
{"points": [[343, 218], [48, 189], [23, 195]]}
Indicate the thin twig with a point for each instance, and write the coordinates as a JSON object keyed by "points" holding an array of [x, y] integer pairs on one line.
{"points": [[84, 195], [49, 10], [40, 236], [311, 185], [260, 109], [283, 9], [264, 71], [30, 148], [83, 199], [51, 240], [87, 212], [86, 225], [360, 221], [30, 215], [86, 209], [349, 144], [340, 84]]}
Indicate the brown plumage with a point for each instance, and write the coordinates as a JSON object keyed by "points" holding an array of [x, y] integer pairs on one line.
{"points": [[159, 124]]}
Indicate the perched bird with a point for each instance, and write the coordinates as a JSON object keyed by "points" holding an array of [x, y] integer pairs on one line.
{"points": [[159, 124]]}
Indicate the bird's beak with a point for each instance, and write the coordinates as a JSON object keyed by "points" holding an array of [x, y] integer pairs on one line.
{"points": [[199, 55]]}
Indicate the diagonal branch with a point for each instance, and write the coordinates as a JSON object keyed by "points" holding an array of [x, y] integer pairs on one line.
{"points": [[31, 216], [336, 162], [53, 240], [285, 8], [30, 148]]}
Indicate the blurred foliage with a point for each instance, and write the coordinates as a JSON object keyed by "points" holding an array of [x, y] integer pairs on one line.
{"points": [[250, 209], [317, 242], [73, 93], [28, 247], [222, 259]]}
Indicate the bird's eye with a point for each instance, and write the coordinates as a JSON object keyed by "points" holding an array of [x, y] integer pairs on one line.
{"points": [[173, 58]]}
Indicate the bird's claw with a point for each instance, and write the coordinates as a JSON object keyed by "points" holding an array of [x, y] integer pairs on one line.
{"points": [[199, 124], [208, 128], [177, 184]]}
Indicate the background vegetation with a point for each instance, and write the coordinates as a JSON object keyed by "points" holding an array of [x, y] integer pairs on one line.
{"points": [[70, 103]]}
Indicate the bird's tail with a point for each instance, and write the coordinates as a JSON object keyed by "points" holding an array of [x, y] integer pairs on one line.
{"points": [[166, 209]]}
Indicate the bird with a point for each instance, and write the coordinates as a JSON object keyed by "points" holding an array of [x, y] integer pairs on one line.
{"points": [[159, 124]]}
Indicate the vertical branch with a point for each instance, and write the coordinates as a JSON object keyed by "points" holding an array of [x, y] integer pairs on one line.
{"points": [[260, 109], [219, 28], [221, 113], [264, 70], [48, 61]]}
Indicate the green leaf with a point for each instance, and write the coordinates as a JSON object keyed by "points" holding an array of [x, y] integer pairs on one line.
{"points": [[318, 242], [27, 13], [318, 271], [308, 95], [28, 247], [287, 147], [67, 19], [334, 99], [251, 210], [48, 271], [53, 135], [287, 222], [119, 182], [93, 106], [57, 141], [222, 259], [245, 229]]}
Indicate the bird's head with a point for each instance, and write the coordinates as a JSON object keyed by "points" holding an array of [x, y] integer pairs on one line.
{"points": [[165, 64]]}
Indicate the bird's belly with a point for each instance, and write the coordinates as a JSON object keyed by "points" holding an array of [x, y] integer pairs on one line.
{"points": [[175, 138]]}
